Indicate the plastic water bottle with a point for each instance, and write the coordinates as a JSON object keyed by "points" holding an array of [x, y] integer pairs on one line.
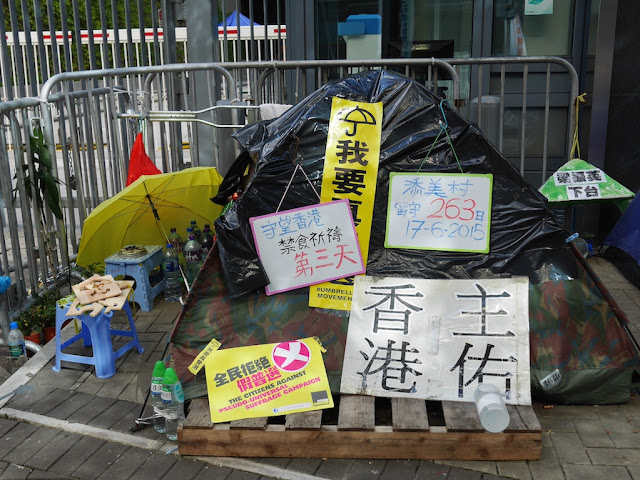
{"points": [[196, 231], [156, 396], [582, 245], [491, 408], [172, 275], [18, 352], [193, 255], [178, 244], [207, 240], [173, 400]]}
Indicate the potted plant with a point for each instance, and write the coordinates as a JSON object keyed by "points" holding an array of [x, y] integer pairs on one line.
{"points": [[47, 314], [30, 325], [40, 318]]}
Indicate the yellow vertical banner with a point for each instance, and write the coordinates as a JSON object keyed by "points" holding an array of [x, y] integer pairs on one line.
{"points": [[350, 171]]}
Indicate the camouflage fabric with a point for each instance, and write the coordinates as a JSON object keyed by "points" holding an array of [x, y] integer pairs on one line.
{"points": [[573, 329], [251, 319]]}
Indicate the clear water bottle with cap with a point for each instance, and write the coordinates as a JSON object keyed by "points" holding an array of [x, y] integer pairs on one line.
{"points": [[196, 231], [17, 349], [156, 396], [172, 275], [173, 400], [207, 240], [492, 410], [178, 244], [581, 244], [193, 255]]}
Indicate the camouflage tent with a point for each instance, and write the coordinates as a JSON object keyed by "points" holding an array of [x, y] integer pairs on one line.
{"points": [[573, 328]]}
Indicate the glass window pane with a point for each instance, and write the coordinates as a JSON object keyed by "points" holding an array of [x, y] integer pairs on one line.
{"points": [[410, 28], [428, 28], [534, 134], [593, 26], [532, 27]]}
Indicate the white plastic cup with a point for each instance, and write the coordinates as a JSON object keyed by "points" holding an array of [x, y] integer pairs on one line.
{"points": [[492, 410]]}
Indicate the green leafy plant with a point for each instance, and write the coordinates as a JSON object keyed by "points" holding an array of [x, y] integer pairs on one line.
{"points": [[39, 315], [96, 268], [44, 182]]}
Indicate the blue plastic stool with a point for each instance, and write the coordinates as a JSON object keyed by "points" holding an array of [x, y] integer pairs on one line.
{"points": [[96, 332], [139, 269]]}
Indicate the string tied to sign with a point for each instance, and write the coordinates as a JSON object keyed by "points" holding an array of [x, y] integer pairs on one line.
{"points": [[575, 146], [444, 126], [298, 167]]}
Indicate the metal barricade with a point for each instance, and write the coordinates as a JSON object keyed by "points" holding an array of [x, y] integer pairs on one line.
{"points": [[89, 120], [77, 137], [520, 86]]}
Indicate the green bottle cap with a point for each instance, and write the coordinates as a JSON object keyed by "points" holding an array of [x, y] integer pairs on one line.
{"points": [[159, 369], [170, 377]]}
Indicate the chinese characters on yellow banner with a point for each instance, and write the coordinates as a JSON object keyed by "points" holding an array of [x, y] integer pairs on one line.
{"points": [[267, 380], [350, 171]]}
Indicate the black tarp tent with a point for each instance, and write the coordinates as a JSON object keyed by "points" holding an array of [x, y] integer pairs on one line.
{"points": [[573, 329]]}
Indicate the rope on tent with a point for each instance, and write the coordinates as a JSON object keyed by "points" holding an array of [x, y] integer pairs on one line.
{"points": [[443, 128], [575, 146], [298, 166]]}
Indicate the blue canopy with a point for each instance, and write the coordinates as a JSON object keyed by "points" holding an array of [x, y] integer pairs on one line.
{"points": [[626, 234], [232, 21]]}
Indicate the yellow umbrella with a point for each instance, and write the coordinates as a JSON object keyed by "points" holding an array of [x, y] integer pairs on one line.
{"points": [[145, 211]]}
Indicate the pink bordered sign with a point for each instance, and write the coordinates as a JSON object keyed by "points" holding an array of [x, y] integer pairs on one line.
{"points": [[307, 245]]}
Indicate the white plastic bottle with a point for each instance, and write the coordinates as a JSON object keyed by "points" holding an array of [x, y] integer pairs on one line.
{"points": [[156, 396], [18, 352], [173, 400], [491, 408], [172, 276]]}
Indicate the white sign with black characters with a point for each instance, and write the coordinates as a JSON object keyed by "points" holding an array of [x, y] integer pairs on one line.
{"points": [[579, 177], [438, 339]]}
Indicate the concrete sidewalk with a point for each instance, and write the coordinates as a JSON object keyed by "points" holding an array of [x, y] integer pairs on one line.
{"points": [[75, 425]]}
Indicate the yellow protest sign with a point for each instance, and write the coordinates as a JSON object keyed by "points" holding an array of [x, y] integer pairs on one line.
{"points": [[198, 362], [267, 380], [350, 171]]}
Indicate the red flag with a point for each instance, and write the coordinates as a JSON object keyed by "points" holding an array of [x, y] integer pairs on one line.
{"points": [[139, 162]]}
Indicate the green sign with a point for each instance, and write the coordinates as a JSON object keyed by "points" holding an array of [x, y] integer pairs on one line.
{"points": [[580, 182]]}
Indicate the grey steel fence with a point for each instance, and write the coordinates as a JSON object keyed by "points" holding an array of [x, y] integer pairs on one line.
{"points": [[530, 112], [89, 120], [524, 105]]}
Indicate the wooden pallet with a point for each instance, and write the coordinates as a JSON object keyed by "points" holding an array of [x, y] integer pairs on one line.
{"points": [[366, 427]]}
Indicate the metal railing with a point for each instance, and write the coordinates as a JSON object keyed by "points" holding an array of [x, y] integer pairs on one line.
{"points": [[89, 120], [502, 77], [267, 41]]}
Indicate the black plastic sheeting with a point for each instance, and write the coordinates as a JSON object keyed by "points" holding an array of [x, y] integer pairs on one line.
{"points": [[525, 238]]}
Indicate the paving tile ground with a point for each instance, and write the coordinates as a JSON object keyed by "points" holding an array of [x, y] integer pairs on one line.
{"points": [[578, 442]]}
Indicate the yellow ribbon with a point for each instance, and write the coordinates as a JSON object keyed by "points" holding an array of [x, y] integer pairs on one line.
{"points": [[575, 146]]}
